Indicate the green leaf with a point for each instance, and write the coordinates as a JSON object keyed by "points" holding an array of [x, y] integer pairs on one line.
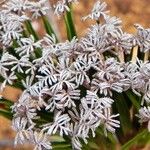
{"points": [[57, 138], [70, 27], [6, 102], [106, 142], [45, 115], [6, 114], [93, 145], [61, 146], [131, 142], [5, 108], [18, 83], [12, 51], [1, 79], [123, 111], [133, 99]]}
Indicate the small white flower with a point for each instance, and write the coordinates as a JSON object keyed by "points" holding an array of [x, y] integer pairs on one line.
{"points": [[4, 63], [48, 77], [18, 6], [11, 31], [75, 139], [64, 80], [144, 115], [38, 8], [103, 102], [60, 8], [25, 108], [142, 39], [31, 69], [28, 82], [60, 124], [19, 125], [20, 64], [8, 59], [27, 46], [8, 79], [67, 98], [88, 120], [72, 1], [113, 25], [98, 10], [49, 40], [146, 92], [109, 77], [40, 140], [109, 122]]}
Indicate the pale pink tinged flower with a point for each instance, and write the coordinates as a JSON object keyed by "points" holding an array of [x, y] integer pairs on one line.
{"points": [[59, 125], [98, 10], [61, 7], [109, 122], [144, 115]]}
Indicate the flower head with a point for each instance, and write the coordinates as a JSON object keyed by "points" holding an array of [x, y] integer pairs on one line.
{"points": [[98, 10]]}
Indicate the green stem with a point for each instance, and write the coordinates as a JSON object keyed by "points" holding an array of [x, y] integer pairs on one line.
{"points": [[127, 145], [31, 30], [71, 32], [48, 26]]}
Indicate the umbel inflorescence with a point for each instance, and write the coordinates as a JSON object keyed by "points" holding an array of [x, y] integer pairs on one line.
{"points": [[69, 88]]}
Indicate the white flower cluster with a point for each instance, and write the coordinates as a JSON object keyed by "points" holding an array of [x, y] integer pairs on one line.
{"points": [[10, 27], [68, 89], [37, 8], [13, 15]]}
